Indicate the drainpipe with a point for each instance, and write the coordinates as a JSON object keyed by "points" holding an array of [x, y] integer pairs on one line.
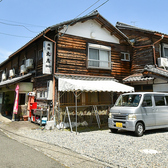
{"points": [[153, 46], [154, 52], [53, 71]]}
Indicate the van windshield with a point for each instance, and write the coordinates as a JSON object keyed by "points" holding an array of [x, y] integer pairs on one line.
{"points": [[130, 100]]}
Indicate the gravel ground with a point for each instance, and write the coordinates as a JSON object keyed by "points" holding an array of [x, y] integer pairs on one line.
{"points": [[122, 149]]}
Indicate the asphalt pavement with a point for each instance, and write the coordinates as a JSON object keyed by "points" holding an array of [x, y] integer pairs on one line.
{"points": [[17, 155], [57, 154]]}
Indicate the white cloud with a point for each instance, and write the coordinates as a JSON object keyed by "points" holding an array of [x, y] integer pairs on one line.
{"points": [[4, 54]]}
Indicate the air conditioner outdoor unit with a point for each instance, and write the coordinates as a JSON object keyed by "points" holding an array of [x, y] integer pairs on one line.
{"points": [[49, 89], [29, 63], [3, 76], [11, 72], [23, 69], [163, 62]]}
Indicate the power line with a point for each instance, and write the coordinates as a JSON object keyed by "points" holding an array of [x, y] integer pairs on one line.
{"points": [[15, 35], [87, 9], [85, 15], [28, 24], [98, 7], [18, 26]]}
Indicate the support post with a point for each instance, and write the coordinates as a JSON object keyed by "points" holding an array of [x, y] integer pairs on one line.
{"points": [[76, 109]]}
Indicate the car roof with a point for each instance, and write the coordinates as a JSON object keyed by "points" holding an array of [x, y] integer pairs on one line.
{"points": [[145, 93]]}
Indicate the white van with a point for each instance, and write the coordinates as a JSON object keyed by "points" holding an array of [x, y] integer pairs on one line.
{"points": [[139, 111]]}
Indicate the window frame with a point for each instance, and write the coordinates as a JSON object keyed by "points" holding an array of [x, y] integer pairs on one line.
{"points": [[125, 56], [164, 45], [99, 48]]}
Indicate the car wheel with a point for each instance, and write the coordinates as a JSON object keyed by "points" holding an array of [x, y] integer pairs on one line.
{"points": [[139, 129], [113, 130]]}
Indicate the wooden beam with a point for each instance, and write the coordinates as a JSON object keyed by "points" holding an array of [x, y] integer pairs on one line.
{"points": [[102, 26]]}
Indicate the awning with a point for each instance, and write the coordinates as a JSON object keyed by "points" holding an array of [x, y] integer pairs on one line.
{"points": [[92, 85], [15, 80]]}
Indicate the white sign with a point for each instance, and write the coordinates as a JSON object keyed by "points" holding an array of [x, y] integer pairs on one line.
{"points": [[47, 57]]}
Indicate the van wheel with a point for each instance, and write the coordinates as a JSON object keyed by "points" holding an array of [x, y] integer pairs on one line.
{"points": [[113, 130], [139, 129]]}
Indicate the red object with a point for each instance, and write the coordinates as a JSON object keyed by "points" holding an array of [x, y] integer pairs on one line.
{"points": [[32, 106]]}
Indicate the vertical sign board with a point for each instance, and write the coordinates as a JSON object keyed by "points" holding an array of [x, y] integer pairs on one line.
{"points": [[47, 57]]}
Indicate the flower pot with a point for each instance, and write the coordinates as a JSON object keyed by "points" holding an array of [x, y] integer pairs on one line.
{"points": [[25, 118]]}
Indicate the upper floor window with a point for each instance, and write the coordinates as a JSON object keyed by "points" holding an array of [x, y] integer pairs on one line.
{"points": [[165, 50], [99, 56], [125, 56]]}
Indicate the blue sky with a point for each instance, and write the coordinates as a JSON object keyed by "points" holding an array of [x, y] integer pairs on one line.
{"points": [[21, 20]]}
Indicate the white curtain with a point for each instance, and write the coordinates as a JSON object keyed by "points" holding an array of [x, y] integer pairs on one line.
{"points": [[104, 58]]}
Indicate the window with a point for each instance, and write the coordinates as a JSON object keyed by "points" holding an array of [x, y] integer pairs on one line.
{"points": [[99, 56], [159, 100], [166, 99], [165, 50], [147, 101], [129, 100], [125, 56]]}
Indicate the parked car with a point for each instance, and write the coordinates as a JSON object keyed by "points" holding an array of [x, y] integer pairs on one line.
{"points": [[139, 111]]}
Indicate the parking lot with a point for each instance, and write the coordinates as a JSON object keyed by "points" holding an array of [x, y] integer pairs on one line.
{"points": [[121, 149]]}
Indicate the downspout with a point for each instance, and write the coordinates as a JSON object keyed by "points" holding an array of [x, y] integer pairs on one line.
{"points": [[154, 52], [153, 46], [53, 71]]}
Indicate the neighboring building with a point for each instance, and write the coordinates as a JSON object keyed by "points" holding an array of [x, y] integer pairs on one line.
{"points": [[86, 49], [149, 62]]}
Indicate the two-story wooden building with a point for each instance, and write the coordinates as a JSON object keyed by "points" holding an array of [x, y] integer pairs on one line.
{"points": [[149, 62], [87, 55]]}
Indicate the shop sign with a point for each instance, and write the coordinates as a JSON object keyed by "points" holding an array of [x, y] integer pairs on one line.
{"points": [[47, 57]]}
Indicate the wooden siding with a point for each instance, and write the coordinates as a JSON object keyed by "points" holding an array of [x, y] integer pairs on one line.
{"points": [[144, 55], [41, 82], [72, 57]]}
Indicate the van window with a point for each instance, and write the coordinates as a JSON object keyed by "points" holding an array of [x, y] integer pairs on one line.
{"points": [[131, 100], [159, 100], [166, 99], [147, 101]]}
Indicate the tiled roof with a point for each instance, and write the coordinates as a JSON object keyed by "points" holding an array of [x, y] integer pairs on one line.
{"points": [[156, 70], [84, 77], [123, 25], [136, 78], [93, 15], [14, 80]]}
